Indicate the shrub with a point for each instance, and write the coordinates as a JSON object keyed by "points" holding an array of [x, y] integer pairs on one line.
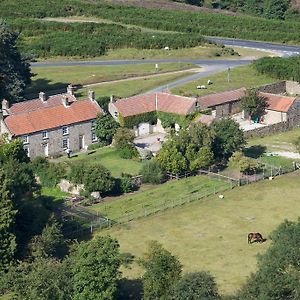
{"points": [[126, 184], [97, 179], [245, 165], [152, 172], [76, 173], [128, 152], [95, 146]]}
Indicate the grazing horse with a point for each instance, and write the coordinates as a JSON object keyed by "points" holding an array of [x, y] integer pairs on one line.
{"points": [[255, 237]]}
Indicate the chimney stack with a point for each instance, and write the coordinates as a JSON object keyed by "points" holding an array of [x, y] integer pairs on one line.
{"points": [[70, 89], [42, 97], [112, 100], [65, 101], [91, 95], [5, 105], [156, 101]]}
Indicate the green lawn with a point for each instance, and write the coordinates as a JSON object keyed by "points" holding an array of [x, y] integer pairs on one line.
{"points": [[55, 78], [245, 76], [133, 87], [155, 197], [109, 158], [211, 235]]}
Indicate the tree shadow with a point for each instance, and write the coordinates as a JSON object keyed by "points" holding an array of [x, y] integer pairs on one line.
{"points": [[255, 151], [130, 289], [45, 85]]}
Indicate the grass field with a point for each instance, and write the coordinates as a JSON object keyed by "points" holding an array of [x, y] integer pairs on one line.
{"points": [[132, 87], [54, 78], [245, 76], [211, 235], [155, 196], [109, 158]]}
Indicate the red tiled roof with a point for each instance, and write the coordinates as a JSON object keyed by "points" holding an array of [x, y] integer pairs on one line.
{"points": [[146, 103], [278, 102], [44, 118], [205, 119], [27, 106], [221, 98]]}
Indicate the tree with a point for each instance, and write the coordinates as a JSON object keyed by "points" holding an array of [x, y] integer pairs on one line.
{"points": [[41, 279], [13, 150], [49, 241], [97, 179], [7, 220], [106, 127], [228, 138], [14, 69], [278, 271], [162, 272], [151, 172], [190, 149], [96, 269], [196, 286], [254, 104], [275, 9], [123, 141]]}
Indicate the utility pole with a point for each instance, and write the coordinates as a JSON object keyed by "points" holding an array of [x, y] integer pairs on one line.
{"points": [[228, 76]]}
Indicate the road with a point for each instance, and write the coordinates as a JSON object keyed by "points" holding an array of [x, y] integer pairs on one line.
{"points": [[210, 66]]}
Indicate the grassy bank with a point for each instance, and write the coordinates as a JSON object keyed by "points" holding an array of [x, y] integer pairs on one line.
{"points": [[134, 86], [54, 78], [245, 76], [109, 158], [211, 235]]}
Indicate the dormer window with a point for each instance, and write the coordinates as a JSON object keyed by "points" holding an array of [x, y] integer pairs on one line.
{"points": [[116, 113], [25, 139], [65, 130], [45, 134]]}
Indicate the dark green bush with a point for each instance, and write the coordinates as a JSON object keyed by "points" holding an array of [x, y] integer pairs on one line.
{"points": [[152, 172], [95, 146], [126, 184], [128, 152]]}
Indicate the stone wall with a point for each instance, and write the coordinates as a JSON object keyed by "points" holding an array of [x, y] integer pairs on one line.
{"points": [[293, 87], [228, 109], [274, 88], [272, 129]]}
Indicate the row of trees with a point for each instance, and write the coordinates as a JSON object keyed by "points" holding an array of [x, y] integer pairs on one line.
{"points": [[279, 67]]}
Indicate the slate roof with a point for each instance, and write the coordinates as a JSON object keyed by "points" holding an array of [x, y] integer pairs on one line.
{"points": [[163, 102], [221, 98], [278, 102], [34, 115]]}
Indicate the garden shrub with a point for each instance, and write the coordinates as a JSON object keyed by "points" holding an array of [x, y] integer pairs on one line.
{"points": [[95, 146], [152, 172], [126, 184], [128, 152]]}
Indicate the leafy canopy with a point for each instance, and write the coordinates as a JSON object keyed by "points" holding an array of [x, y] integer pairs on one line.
{"points": [[14, 69], [162, 272]]}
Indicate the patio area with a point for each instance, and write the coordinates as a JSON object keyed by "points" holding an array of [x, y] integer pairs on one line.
{"points": [[151, 142]]}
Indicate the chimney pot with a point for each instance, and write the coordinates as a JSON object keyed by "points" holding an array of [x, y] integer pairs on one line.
{"points": [[112, 98], [42, 96], [70, 89], [91, 95], [5, 105]]}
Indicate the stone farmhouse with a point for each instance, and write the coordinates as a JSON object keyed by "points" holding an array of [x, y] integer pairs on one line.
{"points": [[49, 125], [143, 105]]}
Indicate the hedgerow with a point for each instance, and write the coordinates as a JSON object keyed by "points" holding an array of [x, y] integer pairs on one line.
{"points": [[278, 67]]}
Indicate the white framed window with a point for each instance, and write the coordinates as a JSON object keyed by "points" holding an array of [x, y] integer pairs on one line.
{"points": [[94, 137], [65, 143], [65, 130], [45, 134], [93, 124], [25, 139], [116, 114]]}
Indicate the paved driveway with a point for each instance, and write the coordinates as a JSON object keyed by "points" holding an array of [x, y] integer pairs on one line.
{"points": [[152, 142]]}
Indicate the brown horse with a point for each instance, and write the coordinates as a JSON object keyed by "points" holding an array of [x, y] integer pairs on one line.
{"points": [[255, 237]]}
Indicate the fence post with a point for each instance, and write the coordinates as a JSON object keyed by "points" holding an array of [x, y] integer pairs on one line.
{"points": [[91, 227]]}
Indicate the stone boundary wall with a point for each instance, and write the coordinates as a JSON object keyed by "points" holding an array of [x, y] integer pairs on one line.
{"points": [[272, 129], [274, 88]]}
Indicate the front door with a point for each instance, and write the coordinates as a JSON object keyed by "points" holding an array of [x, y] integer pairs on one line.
{"points": [[81, 142], [46, 150]]}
